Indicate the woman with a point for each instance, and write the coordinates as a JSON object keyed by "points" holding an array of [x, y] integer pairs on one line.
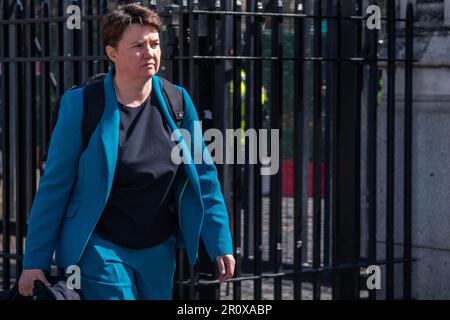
{"points": [[107, 209]]}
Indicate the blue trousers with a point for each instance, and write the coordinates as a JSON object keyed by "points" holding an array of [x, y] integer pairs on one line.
{"points": [[112, 272]]}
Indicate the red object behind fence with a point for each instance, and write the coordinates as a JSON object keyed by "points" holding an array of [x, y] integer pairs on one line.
{"points": [[288, 177]]}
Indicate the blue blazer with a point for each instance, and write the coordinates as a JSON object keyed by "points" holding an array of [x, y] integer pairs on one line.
{"points": [[75, 187]]}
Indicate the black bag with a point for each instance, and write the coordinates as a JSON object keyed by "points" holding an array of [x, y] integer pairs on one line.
{"points": [[13, 294], [94, 105], [58, 291]]}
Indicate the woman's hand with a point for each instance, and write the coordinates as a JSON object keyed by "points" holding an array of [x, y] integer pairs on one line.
{"points": [[27, 278], [226, 265]]}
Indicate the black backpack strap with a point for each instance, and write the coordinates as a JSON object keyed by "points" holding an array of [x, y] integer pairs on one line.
{"points": [[54, 114], [93, 107], [174, 100]]}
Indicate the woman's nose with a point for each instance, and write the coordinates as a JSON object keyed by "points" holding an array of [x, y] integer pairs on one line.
{"points": [[149, 51]]}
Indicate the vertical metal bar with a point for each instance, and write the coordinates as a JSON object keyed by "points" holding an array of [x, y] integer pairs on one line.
{"points": [[183, 69], [27, 155], [224, 85], [308, 8], [407, 241], [275, 119], [90, 36], [76, 48], [104, 10], [335, 39], [192, 75], [317, 149], [99, 46], [6, 152], [177, 69], [18, 138], [299, 141], [183, 44], [357, 131], [329, 52], [45, 80], [390, 187], [82, 43], [193, 276], [85, 43], [248, 123], [68, 49], [171, 39], [220, 102], [179, 293], [33, 122], [372, 149], [60, 81], [60, 50], [346, 250], [193, 50], [257, 207], [237, 168], [206, 35]]}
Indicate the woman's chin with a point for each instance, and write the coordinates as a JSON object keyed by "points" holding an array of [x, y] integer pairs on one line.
{"points": [[150, 72]]}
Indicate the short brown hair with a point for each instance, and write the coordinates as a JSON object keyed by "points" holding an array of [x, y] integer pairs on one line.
{"points": [[116, 21]]}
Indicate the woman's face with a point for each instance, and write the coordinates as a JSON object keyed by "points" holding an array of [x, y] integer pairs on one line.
{"points": [[138, 53]]}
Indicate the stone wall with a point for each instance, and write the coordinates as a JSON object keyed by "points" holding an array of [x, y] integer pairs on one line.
{"points": [[431, 151]]}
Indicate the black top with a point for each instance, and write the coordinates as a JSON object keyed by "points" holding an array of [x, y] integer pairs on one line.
{"points": [[137, 214]]}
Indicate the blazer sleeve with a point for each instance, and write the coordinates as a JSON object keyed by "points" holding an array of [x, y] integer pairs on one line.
{"points": [[56, 184], [215, 231]]}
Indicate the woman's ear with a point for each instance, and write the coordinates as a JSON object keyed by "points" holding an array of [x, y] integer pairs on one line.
{"points": [[111, 53]]}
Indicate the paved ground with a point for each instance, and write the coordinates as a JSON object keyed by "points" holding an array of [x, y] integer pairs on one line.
{"points": [[267, 292], [287, 254]]}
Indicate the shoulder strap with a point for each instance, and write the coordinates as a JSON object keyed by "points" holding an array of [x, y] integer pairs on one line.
{"points": [[54, 115], [174, 100], [93, 107]]}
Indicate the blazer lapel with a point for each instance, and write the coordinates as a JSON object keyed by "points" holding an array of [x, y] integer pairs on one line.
{"points": [[109, 128], [189, 167]]}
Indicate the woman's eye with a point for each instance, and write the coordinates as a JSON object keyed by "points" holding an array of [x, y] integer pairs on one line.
{"points": [[154, 45]]}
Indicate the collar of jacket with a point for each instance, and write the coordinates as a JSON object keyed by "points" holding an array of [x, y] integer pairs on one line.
{"points": [[109, 130]]}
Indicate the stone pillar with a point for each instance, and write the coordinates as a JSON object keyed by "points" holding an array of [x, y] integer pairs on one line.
{"points": [[431, 150], [447, 12]]}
